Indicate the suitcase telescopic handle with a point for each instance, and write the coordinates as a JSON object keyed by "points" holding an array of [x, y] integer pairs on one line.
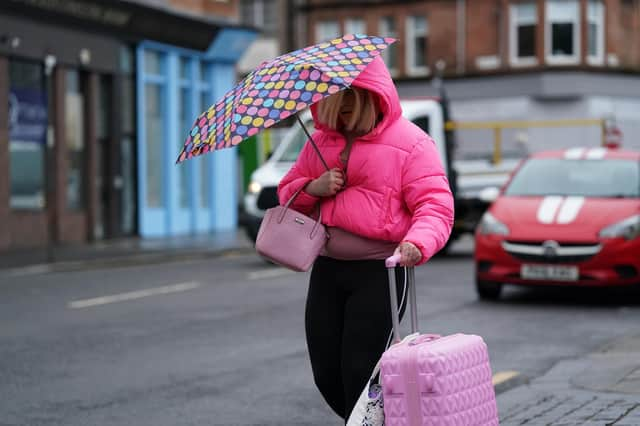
{"points": [[391, 264]]}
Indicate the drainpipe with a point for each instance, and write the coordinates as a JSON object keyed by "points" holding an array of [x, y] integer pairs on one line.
{"points": [[461, 35]]}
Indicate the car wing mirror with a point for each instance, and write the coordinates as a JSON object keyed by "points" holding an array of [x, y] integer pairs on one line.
{"points": [[490, 194]]}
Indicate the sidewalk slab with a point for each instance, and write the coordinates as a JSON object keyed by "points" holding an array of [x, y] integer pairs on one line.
{"points": [[598, 389]]}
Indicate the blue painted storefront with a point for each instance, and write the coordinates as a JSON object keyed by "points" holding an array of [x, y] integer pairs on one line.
{"points": [[173, 86]]}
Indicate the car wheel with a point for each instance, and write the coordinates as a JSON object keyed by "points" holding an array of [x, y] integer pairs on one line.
{"points": [[488, 290]]}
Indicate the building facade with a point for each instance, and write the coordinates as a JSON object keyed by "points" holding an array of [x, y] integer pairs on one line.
{"points": [[97, 97], [506, 59]]}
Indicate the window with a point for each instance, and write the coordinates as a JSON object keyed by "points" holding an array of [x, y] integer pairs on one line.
{"points": [[416, 47], [27, 135], [75, 134], [185, 120], [327, 30], [562, 35], [262, 14], [423, 123], [204, 102], [354, 26], [524, 20], [595, 36], [154, 99], [387, 28]]}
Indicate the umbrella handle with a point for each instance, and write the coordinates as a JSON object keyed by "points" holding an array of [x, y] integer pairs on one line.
{"points": [[312, 142]]}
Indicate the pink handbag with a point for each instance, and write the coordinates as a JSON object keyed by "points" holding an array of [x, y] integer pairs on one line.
{"points": [[290, 238]]}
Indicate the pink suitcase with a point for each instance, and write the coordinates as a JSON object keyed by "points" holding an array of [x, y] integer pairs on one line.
{"points": [[434, 380]]}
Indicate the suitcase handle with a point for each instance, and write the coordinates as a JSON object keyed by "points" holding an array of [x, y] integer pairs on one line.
{"points": [[391, 264]]}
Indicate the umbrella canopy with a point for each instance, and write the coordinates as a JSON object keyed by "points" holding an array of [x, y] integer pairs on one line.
{"points": [[279, 88]]}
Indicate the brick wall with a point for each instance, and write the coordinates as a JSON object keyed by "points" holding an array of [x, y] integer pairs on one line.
{"points": [[486, 43], [623, 21]]}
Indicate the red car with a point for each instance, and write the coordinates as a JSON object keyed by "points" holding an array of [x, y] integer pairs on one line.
{"points": [[564, 218]]}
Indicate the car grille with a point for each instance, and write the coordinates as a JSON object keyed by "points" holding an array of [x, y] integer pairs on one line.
{"points": [[551, 252], [268, 198]]}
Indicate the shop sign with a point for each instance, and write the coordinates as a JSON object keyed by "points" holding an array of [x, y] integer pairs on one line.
{"points": [[27, 116]]}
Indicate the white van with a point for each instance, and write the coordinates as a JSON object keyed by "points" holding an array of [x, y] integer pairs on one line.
{"points": [[261, 194]]}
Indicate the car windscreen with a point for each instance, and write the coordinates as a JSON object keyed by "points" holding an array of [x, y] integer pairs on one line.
{"points": [[608, 178]]}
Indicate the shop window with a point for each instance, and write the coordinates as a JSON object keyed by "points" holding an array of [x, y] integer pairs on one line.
{"points": [[185, 120], [127, 109], [387, 28], [327, 30], [562, 32], [154, 100], [595, 37], [128, 167], [204, 102], [416, 47], [27, 135], [75, 140], [152, 62], [522, 33], [354, 26]]}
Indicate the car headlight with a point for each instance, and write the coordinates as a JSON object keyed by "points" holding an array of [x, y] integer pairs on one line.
{"points": [[489, 225], [627, 229], [254, 187]]}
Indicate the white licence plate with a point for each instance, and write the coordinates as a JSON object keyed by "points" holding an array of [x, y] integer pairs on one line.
{"points": [[550, 272]]}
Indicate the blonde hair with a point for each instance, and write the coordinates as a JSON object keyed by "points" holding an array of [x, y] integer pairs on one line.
{"points": [[364, 116]]}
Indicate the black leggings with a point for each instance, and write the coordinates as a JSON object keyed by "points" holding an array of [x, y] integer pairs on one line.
{"points": [[348, 325]]}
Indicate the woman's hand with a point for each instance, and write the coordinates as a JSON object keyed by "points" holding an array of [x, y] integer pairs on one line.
{"points": [[409, 254], [327, 185]]}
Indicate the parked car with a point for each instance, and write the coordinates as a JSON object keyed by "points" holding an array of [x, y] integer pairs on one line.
{"points": [[564, 218]]}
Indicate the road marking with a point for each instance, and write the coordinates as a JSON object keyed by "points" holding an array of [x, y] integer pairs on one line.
{"points": [[269, 273], [122, 297], [503, 376]]}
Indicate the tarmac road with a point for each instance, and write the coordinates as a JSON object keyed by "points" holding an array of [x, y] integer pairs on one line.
{"points": [[221, 341]]}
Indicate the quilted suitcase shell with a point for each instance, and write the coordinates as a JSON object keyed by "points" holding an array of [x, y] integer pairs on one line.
{"points": [[433, 380], [443, 381]]}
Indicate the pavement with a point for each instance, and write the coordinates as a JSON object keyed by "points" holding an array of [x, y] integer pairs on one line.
{"points": [[600, 388], [123, 252]]}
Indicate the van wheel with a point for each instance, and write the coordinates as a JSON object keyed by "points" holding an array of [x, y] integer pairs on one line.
{"points": [[488, 290], [444, 251]]}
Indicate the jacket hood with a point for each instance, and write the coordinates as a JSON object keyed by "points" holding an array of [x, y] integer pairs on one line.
{"points": [[374, 78]]}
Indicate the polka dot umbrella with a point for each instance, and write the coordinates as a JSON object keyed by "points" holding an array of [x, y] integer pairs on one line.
{"points": [[280, 88]]}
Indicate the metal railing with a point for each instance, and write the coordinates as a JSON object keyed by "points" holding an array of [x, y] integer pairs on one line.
{"points": [[498, 126]]}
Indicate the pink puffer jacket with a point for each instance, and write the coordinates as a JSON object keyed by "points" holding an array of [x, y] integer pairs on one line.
{"points": [[396, 186]]}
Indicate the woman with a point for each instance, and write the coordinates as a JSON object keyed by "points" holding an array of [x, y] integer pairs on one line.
{"points": [[386, 192]]}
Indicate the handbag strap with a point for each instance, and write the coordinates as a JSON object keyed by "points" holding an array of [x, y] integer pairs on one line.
{"points": [[318, 209]]}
